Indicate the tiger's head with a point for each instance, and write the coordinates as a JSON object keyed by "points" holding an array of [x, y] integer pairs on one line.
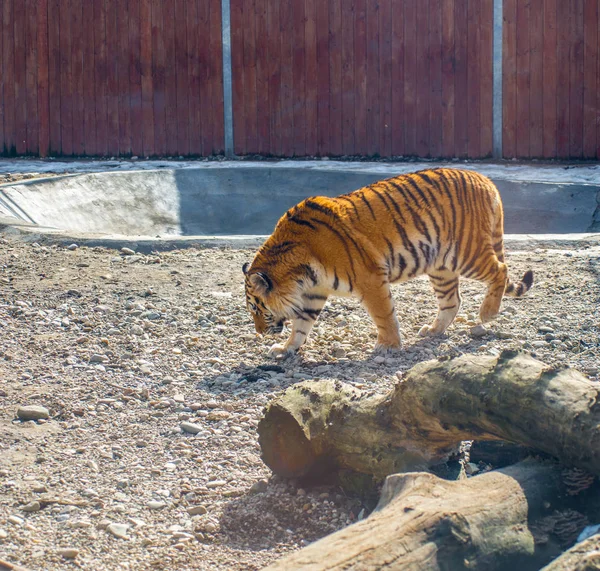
{"points": [[261, 301]]}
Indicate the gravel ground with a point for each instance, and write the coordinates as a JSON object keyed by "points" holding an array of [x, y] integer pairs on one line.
{"points": [[154, 382]]}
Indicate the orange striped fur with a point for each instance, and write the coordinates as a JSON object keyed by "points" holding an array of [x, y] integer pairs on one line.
{"points": [[445, 223]]}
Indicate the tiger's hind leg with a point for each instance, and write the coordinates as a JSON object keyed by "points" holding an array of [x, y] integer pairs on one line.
{"points": [[447, 292], [494, 274]]}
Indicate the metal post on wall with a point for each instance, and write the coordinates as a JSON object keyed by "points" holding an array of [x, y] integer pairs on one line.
{"points": [[227, 88], [497, 81]]}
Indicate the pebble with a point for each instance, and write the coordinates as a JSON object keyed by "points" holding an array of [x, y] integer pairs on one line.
{"points": [[15, 520], [33, 412], [68, 552], [197, 510], [478, 331], [118, 530], [31, 507], [72, 247], [545, 329], [216, 484], [191, 427], [127, 251], [259, 487], [154, 505]]}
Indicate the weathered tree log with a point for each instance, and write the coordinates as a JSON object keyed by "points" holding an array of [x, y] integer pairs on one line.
{"points": [[584, 556], [425, 523], [331, 426]]}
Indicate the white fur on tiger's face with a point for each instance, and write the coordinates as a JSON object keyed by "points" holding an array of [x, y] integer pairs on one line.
{"points": [[445, 223]]}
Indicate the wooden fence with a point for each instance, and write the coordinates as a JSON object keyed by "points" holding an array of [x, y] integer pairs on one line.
{"points": [[111, 77], [309, 77]]}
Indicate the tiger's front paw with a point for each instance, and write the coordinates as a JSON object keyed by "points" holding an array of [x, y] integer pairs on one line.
{"points": [[388, 349], [279, 351]]}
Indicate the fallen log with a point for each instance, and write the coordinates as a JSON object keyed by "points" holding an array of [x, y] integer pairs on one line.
{"points": [[327, 426], [584, 556], [425, 523]]}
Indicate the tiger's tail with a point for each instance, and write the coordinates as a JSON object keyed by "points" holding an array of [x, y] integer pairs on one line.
{"points": [[512, 289]]}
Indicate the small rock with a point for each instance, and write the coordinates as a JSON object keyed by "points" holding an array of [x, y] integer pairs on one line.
{"points": [[155, 505], [68, 552], [478, 331], [72, 247], [32, 412], [31, 507], [545, 329], [197, 510], [127, 251], [15, 520], [3, 533], [118, 530], [216, 484], [259, 487], [190, 427]]}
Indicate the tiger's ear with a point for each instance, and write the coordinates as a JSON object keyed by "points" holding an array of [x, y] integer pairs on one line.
{"points": [[245, 267], [261, 283]]}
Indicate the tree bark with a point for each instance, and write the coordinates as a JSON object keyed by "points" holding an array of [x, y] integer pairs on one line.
{"points": [[328, 426], [584, 556], [425, 523]]}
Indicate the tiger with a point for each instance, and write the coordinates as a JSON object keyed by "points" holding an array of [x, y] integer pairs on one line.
{"points": [[446, 223]]}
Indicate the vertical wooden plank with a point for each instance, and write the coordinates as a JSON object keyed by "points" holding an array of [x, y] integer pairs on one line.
{"points": [[549, 80], [8, 77], [2, 32], [31, 80], [287, 103], [299, 78], [422, 79], [274, 57], [204, 10], [193, 70], [536, 95], [348, 117], [20, 79], [523, 79], [124, 89], [262, 77], [146, 73], [135, 79], [461, 111], [435, 78], [563, 78], [158, 73], [310, 41], [88, 78], [323, 55], [373, 107], [576, 83], [250, 95], [77, 70], [66, 79], [237, 72], [360, 77], [335, 77], [598, 93], [53, 75], [509, 80], [486, 74], [591, 106], [410, 78], [216, 79], [447, 78], [42, 61], [473, 79], [101, 75], [385, 76]]}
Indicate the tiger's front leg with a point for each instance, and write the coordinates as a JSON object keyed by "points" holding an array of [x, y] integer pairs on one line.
{"points": [[377, 299], [301, 326]]}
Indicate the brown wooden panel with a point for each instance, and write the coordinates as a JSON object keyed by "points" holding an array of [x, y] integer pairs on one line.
{"points": [[147, 81], [591, 107], [215, 111], [89, 79], [310, 33], [360, 77], [31, 80], [385, 77], [183, 95], [250, 77], [549, 80], [124, 88], [20, 77], [158, 73], [101, 75], [448, 64], [335, 78], [523, 79], [509, 80], [397, 78], [262, 78], [54, 75], [323, 104], [410, 75], [422, 79], [435, 78], [8, 74], [598, 93], [536, 99], [206, 120], [487, 87], [348, 80], [474, 78], [66, 79], [576, 80], [238, 75], [193, 70], [2, 139], [461, 108], [135, 79], [563, 76], [274, 79], [42, 73], [77, 74], [299, 78]]}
